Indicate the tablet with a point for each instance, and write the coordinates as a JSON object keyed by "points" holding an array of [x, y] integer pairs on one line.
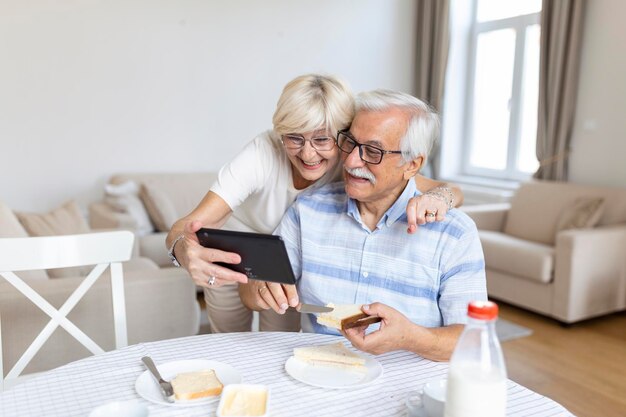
{"points": [[263, 257]]}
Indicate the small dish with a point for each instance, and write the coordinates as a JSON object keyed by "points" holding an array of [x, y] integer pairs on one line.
{"points": [[244, 400], [331, 377]]}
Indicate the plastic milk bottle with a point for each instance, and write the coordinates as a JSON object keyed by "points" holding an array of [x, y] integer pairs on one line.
{"points": [[477, 374]]}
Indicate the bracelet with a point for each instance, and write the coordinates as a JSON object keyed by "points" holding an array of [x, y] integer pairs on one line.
{"points": [[170, 252], [444, 194]]}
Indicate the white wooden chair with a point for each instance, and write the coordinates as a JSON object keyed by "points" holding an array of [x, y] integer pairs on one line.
{"points": [[33, 253]]}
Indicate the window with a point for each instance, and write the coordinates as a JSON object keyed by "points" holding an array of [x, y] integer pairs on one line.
{"points": [[500, 90]]}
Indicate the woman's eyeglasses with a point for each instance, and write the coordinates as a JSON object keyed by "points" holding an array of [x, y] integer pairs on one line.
{"points": [[295, 141]]}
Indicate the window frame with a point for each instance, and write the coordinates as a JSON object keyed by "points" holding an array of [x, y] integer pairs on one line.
{"points": [[519, 24]]}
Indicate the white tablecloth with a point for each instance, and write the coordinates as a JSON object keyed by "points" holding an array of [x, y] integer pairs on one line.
{"points": [[77, 388]]}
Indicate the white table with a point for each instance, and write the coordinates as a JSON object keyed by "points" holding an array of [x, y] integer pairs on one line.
{"points": [[75, 389]]}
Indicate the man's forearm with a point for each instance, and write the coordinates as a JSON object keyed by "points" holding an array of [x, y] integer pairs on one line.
{"points": [[436, 344]]}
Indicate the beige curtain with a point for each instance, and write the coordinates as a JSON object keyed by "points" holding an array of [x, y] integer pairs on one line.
{"points": [[561, 37], [432, 56]]}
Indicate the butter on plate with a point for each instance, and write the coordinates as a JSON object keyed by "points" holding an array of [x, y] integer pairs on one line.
{"points": [[244, 400]]}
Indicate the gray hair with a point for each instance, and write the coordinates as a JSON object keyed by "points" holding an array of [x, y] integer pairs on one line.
{"points": [[423, 128]]}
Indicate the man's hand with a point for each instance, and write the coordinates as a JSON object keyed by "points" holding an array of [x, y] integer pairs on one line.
{"points": [[394, 333], [398, 332], [199, 261], [261, 295]]}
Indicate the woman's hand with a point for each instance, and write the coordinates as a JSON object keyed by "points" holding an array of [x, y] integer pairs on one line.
{"points": [[431, 206], [200, 261]]}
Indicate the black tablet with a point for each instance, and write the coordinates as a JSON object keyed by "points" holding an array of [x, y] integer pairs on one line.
{"points": [[263, 257]]}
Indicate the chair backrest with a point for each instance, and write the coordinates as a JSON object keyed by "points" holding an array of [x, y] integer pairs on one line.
{"points": [[107, 249]]}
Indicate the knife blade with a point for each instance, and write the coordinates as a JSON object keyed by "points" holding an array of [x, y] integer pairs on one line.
{"points": [[312, 308], [166, 388]]}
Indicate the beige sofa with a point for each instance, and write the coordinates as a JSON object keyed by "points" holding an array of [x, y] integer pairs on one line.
{"points": [[558, 249], [160, 303], [150, 206]]}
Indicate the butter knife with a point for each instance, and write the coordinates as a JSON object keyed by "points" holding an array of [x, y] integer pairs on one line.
{"points": [[312, 308], [166, 387]]}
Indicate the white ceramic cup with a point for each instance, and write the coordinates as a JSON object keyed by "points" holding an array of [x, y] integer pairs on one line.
{"points": [[434, 397], [132, 408]]}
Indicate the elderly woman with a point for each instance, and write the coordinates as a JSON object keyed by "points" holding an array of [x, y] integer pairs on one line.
{"points": [[254, 190]]}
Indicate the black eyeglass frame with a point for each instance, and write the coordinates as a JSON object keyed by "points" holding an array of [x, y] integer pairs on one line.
{"points": [[333, 141], [348, 135]]}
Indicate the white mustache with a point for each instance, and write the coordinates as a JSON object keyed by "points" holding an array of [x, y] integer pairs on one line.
{"points": [[361, 173]]}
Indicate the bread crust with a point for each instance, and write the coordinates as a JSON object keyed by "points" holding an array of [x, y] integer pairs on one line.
{"points": [[359, 320], [199, 394]]}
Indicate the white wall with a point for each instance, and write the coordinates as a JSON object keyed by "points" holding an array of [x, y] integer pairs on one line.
{"points": [[599, 135], [90, 88]]}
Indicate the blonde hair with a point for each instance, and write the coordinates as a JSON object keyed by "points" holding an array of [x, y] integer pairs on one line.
{"points": [[311, 102]]}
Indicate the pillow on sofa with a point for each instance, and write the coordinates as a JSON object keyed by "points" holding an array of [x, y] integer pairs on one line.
{"points": [[65, 220], [125, 198], [159, 206], [584, 213], [10, 227]]}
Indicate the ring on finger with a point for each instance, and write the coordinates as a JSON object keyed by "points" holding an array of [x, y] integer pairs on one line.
{"points": [[211, 280], [431, 213]]}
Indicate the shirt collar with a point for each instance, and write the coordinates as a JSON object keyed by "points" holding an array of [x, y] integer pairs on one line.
{"points": [[397, 210]]}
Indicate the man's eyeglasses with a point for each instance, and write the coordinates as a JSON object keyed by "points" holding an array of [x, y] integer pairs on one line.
{"points": [[367, 153], [320, 143]]}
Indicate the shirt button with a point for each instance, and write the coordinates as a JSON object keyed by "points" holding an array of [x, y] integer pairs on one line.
{"points": [[365, 274]]}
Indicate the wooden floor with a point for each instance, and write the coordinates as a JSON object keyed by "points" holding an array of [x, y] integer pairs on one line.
{"points": [[583, 366]]}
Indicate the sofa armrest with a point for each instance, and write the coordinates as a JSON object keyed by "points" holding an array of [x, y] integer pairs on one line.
{"points": [[103, 216], [590, 272], [153, 246], [160, 304], [488, 216]]}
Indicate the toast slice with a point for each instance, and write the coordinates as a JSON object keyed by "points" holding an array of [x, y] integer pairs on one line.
{"points": [[199, 384], [336, 355], [345, 316]]}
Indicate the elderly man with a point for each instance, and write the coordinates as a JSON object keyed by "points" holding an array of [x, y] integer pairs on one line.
{"points": [[347, 241]]}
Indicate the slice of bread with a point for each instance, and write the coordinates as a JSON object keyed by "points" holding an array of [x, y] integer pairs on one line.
{"points": [[342, 313], [198, 384], [336, 355]]}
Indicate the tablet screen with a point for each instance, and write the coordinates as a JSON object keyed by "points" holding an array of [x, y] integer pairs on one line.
{"points": [[263, 257]]}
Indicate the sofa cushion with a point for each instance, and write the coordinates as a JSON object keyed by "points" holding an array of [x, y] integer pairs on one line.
{"points": [[159, 206], [124, 198], [183, 190], [584, 213], [10, 226], [139, 264], [537, 206], [65, 220], [519, 257]]}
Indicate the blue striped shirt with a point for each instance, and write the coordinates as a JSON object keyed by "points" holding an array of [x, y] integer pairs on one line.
{"points": [[429, 276]]}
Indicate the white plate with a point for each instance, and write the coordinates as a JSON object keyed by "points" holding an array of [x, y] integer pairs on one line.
{"points": [[331, 377], [147, 387]]}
